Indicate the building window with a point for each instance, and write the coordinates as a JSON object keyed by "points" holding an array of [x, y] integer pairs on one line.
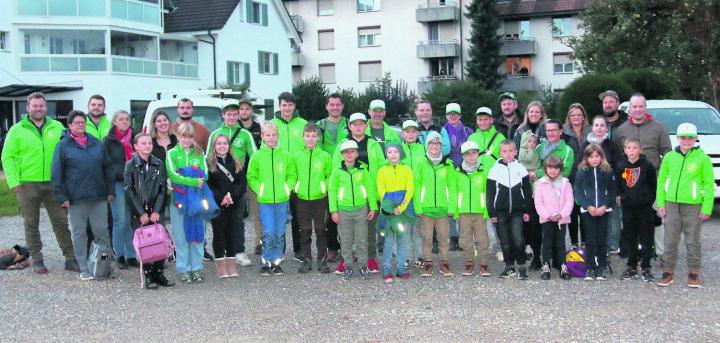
{"points": [[326, 39], [370, 70], [257, 12], [63, 50], [368, 5], [327, 73], [325, 7], [442, 67], [562, 27], [562, 64], [267, 63], [238, 73], [3, 40], [144, 11], [64, 7], [369, 36], [517, 29], [518, 66], [134, 53]]}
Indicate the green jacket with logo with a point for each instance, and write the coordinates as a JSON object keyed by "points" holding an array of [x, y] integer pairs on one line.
{"points": [[432, 194], [242, 146], [327, 141], [290, 133], [376, 156], [388, 133], [414, 155], [270, 175], [686, 179], [488, 141], [563, 151], [467, 192], [101, 130], [351, 188], [313, 172], [27, 153], [178, 158]]}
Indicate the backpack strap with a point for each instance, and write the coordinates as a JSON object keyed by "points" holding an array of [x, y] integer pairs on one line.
{"points": [[488, 149], [226, 172]]}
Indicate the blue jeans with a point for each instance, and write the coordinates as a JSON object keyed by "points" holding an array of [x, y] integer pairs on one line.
{"points": [[453, 228], [273, 218], [188, 255], [512, 242], [390, 240], [614, 225], [122, 235]]}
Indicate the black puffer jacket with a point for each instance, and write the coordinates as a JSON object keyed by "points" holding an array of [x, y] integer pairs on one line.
{"points": [[116, 151], [145, 185], [221, 184]]}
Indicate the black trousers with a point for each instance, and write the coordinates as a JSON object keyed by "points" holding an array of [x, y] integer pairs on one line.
{"points": [[533, 233], [294, 224], [638, 235], [553, 242], [332, 235], [576, 226], [227, 227], [596, 229]]}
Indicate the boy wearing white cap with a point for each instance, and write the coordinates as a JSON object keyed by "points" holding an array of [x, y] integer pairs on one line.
{"points": [[378, 128], [413, 156], [486, 137], [685, 195]]}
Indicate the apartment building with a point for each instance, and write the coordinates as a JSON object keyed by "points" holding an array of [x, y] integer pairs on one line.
{"points": [[349, 43]]}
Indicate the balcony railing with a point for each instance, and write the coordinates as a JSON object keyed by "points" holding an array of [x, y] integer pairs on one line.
{"points": [[82, 8], [519, 82], [135, 10], [63, 63], [426, 83], [517, 46], [437, 11], [178, 69], [437, 48], [298, 60], [134, 65]]}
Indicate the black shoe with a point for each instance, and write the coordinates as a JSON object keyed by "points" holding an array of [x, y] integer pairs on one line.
{"points": [[600, 275], [149, 284], [258, 249], [265, 270], [508, 272], [564, 273], [161, 280], [299, 258], [522, 273], [647, 275], [207, 256], [276, 270], [323, 268], [121, 263], [454, 244], [133, 262], [347, 274], [630, 274], [305, 267], [72, 266], [364, 272], [545, 272]]}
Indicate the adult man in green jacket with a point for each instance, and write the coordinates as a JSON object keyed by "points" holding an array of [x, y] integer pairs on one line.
{"points": [[378, 128], [26, 159], [97, 124]]}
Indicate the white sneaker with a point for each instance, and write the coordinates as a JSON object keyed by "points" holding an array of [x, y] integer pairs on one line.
{"points": [[528, 250], [499, 256], [242, 259]]}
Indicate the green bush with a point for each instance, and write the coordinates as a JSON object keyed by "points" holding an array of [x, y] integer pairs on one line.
{"points": [[647, 82], [466, 93], [310, 98], [585, 90]]}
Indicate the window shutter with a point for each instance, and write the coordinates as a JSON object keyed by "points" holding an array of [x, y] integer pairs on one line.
{"points": [[261, 63], [230, 73], [264, 15], [247, 74], [249, 10], [275, 64]]}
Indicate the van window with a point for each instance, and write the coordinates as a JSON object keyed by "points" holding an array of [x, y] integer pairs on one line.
{"points": [[209, 116], [706, 120]]}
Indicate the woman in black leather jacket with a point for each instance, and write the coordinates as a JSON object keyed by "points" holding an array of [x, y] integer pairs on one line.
{"points": [[145, 184]]}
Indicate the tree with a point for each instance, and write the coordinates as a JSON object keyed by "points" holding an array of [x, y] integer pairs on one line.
{"points": [[310, 98], [484, 44], [585, 90], [680, 41], [466, 94], [647, 82]]}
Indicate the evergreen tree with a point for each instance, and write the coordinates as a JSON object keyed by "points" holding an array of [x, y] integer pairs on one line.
{"points": [[484, 44]]}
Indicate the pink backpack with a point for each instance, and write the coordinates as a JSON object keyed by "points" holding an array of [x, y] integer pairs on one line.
{"points": [[152, 243]]}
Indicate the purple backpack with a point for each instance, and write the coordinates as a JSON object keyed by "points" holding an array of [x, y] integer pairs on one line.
{"points": [[575, 262]]}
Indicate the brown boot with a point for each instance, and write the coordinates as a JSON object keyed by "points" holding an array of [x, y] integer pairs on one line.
{"points": [[221, 268], [666, 280], [469, 269], [485, 270], [427, 269], [231, 267], [694, 280], [445, 268]]}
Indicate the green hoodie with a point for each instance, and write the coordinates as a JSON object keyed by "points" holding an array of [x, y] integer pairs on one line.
{"points": [[486, 142], [414, 155], [563, 151], [432, 195], [376, 157], [351, 189], [100, 131], [242, 146], [270, 175], [290, 133], [686, 179], [467, 192], [177, 158], [313, 171], [388, 133], [27, 154], [327, 141]]}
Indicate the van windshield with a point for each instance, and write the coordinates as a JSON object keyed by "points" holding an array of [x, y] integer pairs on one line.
{"points": [[706, 120], [210, 117]]}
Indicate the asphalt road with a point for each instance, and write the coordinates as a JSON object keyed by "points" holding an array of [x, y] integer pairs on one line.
{"points": [[323, 308]]}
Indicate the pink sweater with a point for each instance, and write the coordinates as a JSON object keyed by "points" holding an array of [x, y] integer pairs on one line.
{"points": [[551, 199]]}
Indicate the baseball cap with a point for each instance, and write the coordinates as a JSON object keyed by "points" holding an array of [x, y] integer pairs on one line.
{"points": [[245, 101], [469, 145], [348, 144], [687, 130], [377, 104], [483, 110], [609, 92], [507, 95], [409, 123], [453, 108], [231, 107], [356, 116]]}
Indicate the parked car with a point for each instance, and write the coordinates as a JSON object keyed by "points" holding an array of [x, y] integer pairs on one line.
{"points": [[672, 113]]}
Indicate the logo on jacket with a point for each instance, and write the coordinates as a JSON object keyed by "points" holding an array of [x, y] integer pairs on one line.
{"points": [[631, 176]]}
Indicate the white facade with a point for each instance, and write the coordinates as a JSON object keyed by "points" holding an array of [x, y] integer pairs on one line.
{"points": [[420, 41]]}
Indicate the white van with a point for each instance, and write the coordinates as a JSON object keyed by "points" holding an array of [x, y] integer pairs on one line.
{"points": [[207, 110], [672, 113]]}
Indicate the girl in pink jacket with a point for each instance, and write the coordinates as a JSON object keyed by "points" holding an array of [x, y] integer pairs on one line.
{"points": [[554, 203]]}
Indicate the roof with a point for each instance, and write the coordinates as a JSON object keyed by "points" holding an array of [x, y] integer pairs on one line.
{"points": [[25, 90], [199, 15], [524, 8]]}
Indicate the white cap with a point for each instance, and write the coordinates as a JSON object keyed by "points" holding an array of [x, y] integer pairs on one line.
{"points": [[377, 104], [348, 144], [686, 130], [469, 145], [409, 123], [483, 110], [356, 116], [453, 108]]}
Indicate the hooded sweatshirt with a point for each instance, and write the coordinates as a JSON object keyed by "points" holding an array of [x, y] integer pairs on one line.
{"points": [[636, 182], [653, 137]]}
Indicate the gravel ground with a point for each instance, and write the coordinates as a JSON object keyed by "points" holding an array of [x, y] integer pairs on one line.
{"points": [[319, 308]]}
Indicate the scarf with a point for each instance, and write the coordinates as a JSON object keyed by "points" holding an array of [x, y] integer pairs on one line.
{"points": [[548, 149], [470, 168], [591, 138], [80, 140], [434, 160], [458, 135], [125, 140]]}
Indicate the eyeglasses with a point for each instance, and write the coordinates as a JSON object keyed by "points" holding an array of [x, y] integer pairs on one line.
{"points": [[552, 130], [78, 122], [434, 143]]}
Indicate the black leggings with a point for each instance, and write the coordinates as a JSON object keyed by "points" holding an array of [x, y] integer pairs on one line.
{"points": [[575, 226], [553, 242], [226, 227]]}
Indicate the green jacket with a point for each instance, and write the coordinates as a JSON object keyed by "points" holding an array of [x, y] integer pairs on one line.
{"points": [[686, 179], [177, 158], [242, 146], [467, 192], [414, 155], [100, 131], [290, 134], [388, 132], [488, 141], [313, 171], [27, 154], [376, 156], [563, 151], [432, 195], [271, 174], [327, 141], [352, 188]]}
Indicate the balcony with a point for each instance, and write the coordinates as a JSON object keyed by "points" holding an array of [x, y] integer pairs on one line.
{"points": [[519, 82], [298, 22], [437, 11], [426, 83], [435, 49], [515, 46], [298, 60], [142, 11]]}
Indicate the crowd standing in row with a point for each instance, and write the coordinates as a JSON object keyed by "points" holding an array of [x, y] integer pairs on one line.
{"points": [[514, 184]]}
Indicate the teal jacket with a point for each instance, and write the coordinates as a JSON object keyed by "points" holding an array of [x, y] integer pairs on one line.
{"points": [[686, 179], [28, 151]]}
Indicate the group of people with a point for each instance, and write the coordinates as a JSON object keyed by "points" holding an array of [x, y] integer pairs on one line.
{"points": [[514, 183]]}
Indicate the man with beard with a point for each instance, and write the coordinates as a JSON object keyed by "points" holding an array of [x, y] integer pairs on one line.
{"points": [[508, 122], [98, 125], [185, 113], [615, 116]]}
